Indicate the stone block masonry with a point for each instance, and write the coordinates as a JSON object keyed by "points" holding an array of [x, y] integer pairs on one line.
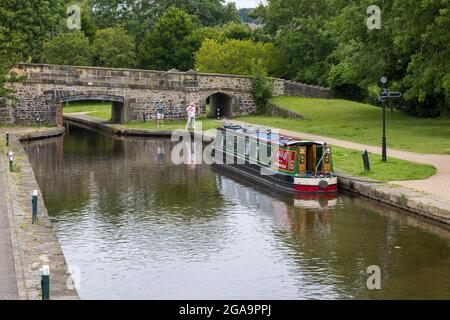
{"points": [[32, 245], [135, 92]]}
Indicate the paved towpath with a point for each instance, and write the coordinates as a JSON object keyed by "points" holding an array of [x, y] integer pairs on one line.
{"points": [[8, 284], [437, 185]]}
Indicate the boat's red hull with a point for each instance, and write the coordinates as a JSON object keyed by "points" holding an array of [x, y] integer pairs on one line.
{"points": [[315, 189]]}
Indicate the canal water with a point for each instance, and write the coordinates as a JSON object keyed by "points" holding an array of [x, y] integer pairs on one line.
{"points": [[137, 226]]}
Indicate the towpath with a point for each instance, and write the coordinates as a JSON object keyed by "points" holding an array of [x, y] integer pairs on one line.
{"points": [[437, 185], [8, 283]]}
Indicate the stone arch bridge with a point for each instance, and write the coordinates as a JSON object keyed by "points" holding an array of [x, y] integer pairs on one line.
{"points": [[133, 93]]}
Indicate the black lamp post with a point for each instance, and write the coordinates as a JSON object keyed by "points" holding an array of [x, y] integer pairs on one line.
{"points": [[383, 139], [385, 94]]}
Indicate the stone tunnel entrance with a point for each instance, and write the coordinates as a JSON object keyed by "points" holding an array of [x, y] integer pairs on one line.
{"points": [[220, 105], [117, 105]]}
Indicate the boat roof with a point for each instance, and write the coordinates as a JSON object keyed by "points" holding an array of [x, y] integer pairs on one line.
{"points": [[266, 134]]}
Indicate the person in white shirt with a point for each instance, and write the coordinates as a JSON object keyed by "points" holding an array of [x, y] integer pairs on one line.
{"points": [[190, 110]]}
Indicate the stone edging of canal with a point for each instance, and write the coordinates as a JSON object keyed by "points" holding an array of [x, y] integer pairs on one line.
{"points": [[398, 196], [32, 245], [401, 197]]}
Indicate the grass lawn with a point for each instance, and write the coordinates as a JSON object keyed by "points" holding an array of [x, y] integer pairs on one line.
{"points": [[350, 161], [361, 123], [93, 108]]}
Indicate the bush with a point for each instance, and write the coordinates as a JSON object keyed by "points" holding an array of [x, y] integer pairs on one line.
{"points": [[261, 88]]}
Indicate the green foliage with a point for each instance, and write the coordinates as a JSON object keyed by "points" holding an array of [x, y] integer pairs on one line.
{"points": [[168, 45], [114, 48], [261, 87], [16, 168], [426, 40], [238, 31], [32, 21], [88, 25], [327, 42], [70, 48], [10, 48], [144, 14], [237, 57]]}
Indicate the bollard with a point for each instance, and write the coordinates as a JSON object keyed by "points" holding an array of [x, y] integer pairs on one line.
{"points": [[366, 162], [7, 139], [11, 162], [34, 202], [45, 282]]}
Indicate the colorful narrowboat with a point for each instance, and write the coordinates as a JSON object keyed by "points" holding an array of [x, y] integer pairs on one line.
{"points": [[281, 162]]}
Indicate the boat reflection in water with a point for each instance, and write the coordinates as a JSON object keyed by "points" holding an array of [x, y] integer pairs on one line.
{"points": [[298, 212]]}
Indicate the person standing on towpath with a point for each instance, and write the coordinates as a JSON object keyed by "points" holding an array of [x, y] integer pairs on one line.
{"points": [[160, 111], [190, 110]]}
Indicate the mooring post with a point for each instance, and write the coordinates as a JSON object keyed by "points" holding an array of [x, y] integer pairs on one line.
{"points": [[366, 162], [34, 202], [45, 282], [11, 163], [7, 139]]}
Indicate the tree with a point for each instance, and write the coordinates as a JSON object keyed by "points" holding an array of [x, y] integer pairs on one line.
{"points": [[70, 48], [299, 29], [262, 87], [238, 31], [114, 48], [421, 32], [33, 21], [168, 44], [205, 12], [237, 57], [10, 49]]}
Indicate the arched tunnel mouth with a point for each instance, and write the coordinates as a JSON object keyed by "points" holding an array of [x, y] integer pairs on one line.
{"points": [[220, 106], [114, 104]]}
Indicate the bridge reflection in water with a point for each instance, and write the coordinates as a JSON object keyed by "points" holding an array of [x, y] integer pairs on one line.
{"points": [[140, 227]]}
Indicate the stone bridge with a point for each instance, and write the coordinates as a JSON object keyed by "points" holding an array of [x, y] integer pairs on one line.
{"points": [[134, 93]]}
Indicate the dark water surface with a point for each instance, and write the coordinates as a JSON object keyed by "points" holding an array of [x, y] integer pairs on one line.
{"points": [[139, 227]]}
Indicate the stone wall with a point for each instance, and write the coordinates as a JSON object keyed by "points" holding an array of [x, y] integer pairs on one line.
{"points": [[305, 90], [5, 112], [47, 87]]}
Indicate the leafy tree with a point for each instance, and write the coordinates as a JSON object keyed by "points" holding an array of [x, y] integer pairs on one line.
{"points": [[262, 87], [71, 48], [169, 45], [237, 57], [238, 31], [88, 25], [138, 14], [298, 29], [205, 12], [421, 32], [10, 48], [33, 21], [114, 48]]}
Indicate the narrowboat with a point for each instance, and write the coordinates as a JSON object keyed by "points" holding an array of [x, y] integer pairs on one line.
{"points": [[283, 163]]}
